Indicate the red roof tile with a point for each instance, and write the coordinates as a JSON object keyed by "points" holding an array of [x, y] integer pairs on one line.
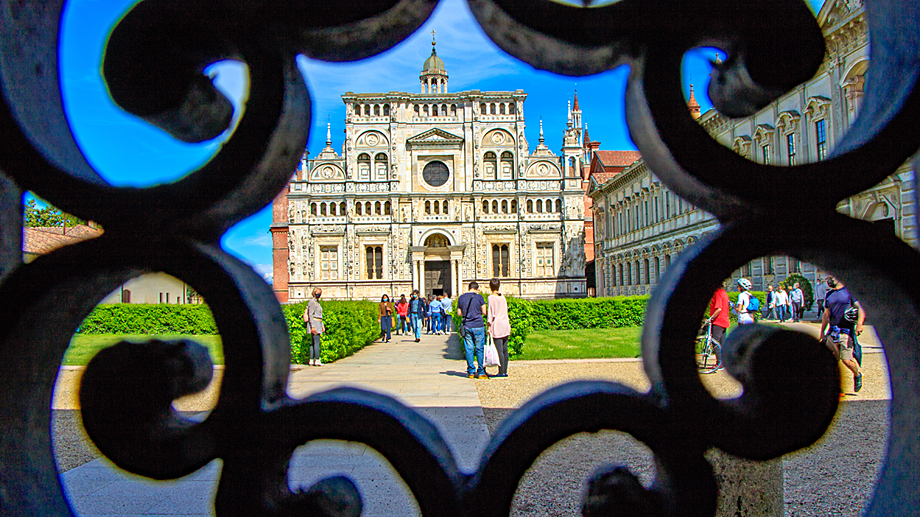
{"points": [[617, 158]]}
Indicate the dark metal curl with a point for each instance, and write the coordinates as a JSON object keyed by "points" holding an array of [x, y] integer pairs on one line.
{"points": [[683, 485]]}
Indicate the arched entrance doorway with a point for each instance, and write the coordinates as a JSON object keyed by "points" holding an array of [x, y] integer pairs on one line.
{"points": [[438, 278], [436, 264]]}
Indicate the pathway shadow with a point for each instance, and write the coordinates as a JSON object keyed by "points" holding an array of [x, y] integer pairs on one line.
{"points": [[454, 348]]}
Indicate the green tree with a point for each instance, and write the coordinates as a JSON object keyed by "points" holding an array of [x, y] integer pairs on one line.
{"points": [[35, 216]]}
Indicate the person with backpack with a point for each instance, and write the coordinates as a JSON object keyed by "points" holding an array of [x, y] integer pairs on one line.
{"points": [[747, 304], [838, 332]]}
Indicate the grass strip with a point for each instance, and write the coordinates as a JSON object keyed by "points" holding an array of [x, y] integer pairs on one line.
{"points": [[582, 344], [84, 346]]}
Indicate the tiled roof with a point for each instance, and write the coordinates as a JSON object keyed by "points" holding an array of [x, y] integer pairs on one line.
{"points": [[617, 158], [42, 240], [602, 177]]}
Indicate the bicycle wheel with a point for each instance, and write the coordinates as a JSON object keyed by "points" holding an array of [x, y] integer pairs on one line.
{"points": [[706, 360]]}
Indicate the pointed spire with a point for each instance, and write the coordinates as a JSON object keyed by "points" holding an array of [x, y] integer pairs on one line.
{"points": [[692, 105], [541, 130], [328, 134], [575, 107], [569, 109], [587, 138]]}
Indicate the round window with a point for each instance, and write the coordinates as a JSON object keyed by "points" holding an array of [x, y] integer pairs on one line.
{"points": [[435, 174]]}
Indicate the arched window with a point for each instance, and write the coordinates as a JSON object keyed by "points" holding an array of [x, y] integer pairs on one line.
{"points": [[359, 208], [453, 109], [386, 208], [491, 164], [380, 166], [501, 109], [418, 110], [443, 110], [657, 270], [312, 208], [504, 206], [485, 207], [322, 209], [376, 110], [501, 263], [511, 108], [368, 208], [513, 206], [377, 207], [342, 208], [482, 109], [539, 206], [386, 110], [364, 166], [529, 206], [507, 164], [559, 206], [494, 206], [333, 209], [629, 277], [427, 207], [374, 262], [444, 207], [425, 109], [647, 277], [437, 207], [492, 108]]}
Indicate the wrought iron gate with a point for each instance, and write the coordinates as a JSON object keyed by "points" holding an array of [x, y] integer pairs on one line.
{"points": [[153, 67]]}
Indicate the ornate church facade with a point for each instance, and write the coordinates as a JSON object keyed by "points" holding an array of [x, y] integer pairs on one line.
{"points": [[432, 190], [640, 225]]}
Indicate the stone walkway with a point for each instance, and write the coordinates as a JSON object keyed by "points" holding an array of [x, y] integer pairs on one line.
{"points": [[425, 375]]}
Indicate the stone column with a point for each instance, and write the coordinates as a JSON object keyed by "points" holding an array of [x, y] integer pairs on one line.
{"points": [[421, 278], [459, 278]]}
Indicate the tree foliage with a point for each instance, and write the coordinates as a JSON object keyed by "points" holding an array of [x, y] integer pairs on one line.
{"points": [[36, 217]]}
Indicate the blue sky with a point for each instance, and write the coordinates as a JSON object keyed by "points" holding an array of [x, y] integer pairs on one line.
{"points": [[128, 151]]}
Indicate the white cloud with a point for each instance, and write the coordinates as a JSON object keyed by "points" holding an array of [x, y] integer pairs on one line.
{"points": [[265, 271]]}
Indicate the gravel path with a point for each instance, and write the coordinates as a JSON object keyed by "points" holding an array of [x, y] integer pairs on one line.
{"points": [[833, 477]]}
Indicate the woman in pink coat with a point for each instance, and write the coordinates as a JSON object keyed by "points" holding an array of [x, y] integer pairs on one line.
{"points": [[499, 327]]}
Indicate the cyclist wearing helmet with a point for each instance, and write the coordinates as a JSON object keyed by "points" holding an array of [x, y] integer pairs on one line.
{"points": [[744, 299], [837, 329]]}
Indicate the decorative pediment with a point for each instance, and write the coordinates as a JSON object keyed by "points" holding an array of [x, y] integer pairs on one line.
{"points": [[742, 145], [327, 172], [498, 138], [788, 121], [763, 133], [372, 139], [435, 138], [543, 169], [817, 106]]}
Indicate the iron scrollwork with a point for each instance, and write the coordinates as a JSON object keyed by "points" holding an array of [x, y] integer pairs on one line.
{"points": [[153, 67]]}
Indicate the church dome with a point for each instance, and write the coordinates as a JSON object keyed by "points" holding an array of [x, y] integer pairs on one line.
{"points": [[433, 63]]}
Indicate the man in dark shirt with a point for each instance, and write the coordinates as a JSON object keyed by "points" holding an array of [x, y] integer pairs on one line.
{"points": [[837, 331], [469, 306]]}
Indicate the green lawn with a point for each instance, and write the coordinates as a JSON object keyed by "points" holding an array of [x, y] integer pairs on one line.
{"points": [[84, 346], [582, 344]]}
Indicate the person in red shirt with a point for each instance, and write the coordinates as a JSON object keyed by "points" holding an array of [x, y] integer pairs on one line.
{"points": [[719, 316]]}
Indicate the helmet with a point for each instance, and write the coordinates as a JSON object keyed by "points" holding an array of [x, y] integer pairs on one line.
{"points": [[745, 284], [851, 314]]}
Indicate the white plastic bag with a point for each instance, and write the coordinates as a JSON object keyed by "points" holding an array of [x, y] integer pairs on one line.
{"points": [[490, 353]]}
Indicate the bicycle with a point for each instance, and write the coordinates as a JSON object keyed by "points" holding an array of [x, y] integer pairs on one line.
{"points": [[707, 348]]}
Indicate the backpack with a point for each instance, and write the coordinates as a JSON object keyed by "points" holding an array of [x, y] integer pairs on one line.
{"points": [[753, 304]]}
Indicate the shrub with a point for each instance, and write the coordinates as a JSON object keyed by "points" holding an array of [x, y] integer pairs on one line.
{"points": [[583, 313], [733, 299], [127, 318], [805, 285], [350, 326]]}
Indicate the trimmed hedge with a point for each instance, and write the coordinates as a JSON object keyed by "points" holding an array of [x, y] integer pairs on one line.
{"points": [[582, 313], [350, 326], [136, 318]]}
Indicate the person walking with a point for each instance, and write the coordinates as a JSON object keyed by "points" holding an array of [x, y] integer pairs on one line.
{"points": [[797, 300], [429, 318], [417, 314], [719, 311], [780, 300], [770, 305], [498, 325], [469, 307], [313, 317], [838, 332], [386, 317], [448, 307], [820, 294], [744, 301], [437, 313], [402, 311]]}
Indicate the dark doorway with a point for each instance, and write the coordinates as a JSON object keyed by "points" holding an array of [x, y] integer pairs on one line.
{"points": [[437, 277]]}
